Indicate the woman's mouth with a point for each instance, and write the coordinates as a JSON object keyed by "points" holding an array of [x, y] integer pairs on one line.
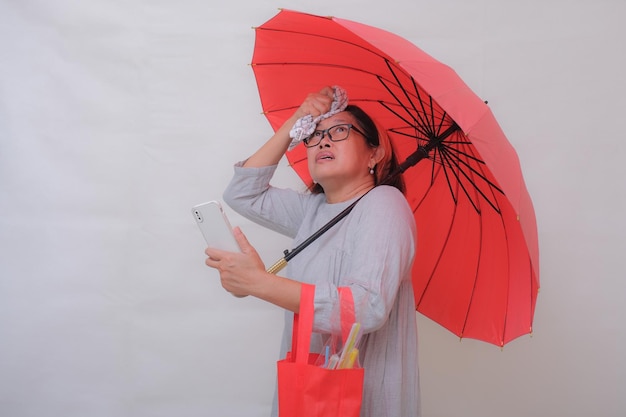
{"points": [[324, 156]]}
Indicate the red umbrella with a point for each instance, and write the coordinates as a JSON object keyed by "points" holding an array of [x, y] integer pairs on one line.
{"points": [[477, 263]]}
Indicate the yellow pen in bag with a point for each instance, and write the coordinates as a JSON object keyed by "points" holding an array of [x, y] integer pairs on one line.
{"points": [[349, 362], [349, 347]]}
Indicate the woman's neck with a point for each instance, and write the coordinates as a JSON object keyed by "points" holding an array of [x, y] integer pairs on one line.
{"points": [[347, 192]]}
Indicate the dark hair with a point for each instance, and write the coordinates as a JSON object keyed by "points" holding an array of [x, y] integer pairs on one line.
{"points": [[388, 163]]}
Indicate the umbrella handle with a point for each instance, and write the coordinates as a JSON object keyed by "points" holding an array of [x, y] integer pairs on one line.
{"points": [[280, 264]]}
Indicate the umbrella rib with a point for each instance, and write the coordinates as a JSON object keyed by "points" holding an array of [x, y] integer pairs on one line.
{"points": [[432, 113], [442, 156], [419, 97], [299, 161], [408, 135], [418, 114], [421, 122], [446, 162], [406, 94], [441, 252], [463, 153], [508, 292], [475, 283], [315, 35], [449, 162], [417, 127], [445, 243], [432, 169], [477, 172], [493, 202], [425, 195], [443, 118], [324, 64], [457, 161]]}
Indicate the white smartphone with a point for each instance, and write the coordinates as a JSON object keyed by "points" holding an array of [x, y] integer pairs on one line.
{"points": [[214, 225]]}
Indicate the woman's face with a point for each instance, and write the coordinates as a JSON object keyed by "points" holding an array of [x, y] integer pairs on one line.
{"points": [[340, 163]]}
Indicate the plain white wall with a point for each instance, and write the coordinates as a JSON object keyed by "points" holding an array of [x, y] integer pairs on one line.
{"points": [[117, 116]]}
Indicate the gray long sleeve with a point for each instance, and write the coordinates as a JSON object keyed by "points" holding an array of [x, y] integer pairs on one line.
{"points": [[371, 251]]}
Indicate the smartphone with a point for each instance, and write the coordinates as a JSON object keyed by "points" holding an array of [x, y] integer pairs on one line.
{"points": [[214, 225]]}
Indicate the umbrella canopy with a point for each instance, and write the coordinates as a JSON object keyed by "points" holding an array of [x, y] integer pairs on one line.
{"points": [[477, 263]]}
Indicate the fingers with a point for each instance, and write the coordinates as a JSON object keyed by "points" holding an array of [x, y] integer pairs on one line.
{"points": [[241, 239], [212, 259], [328, 91], [215, 255], [226, 265], [322, 101], [216, 258], [318, 103], [239, 271]]}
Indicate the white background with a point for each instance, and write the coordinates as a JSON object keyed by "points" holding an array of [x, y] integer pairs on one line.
{"points": [[117, 116]]}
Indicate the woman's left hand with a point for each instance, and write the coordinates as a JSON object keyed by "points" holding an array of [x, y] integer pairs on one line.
{"points": [[240, 272]]}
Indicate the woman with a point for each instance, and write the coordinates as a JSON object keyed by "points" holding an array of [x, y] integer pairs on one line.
{"points": [[371, 250]]}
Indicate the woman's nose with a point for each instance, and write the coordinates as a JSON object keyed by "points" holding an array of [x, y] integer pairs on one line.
{"points": [[325, 141]]}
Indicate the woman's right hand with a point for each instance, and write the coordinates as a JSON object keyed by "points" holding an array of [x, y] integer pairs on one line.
{"points": [[240, 272], [316, 104]]}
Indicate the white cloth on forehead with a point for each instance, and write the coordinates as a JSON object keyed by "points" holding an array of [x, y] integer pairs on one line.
{"points": [[305, 126]]}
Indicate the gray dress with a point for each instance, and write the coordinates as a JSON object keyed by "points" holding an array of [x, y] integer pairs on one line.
{"points": [[371, 251]]}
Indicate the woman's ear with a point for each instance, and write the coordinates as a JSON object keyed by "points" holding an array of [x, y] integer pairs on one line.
{"points": [[377, 156]]}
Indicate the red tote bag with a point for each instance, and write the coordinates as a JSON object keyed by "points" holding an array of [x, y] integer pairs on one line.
{"points": [[309, 390]]}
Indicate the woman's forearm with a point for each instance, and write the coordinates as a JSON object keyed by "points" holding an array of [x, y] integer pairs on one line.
{"points": [[274, 149], [280, 291]]}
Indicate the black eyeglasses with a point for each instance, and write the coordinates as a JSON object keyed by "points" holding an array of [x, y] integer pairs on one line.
{"points": [[335, 133]]}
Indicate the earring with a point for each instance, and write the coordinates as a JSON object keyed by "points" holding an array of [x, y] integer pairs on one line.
{"points": [[372, 170]]}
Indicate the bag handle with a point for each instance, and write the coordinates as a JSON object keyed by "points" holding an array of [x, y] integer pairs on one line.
{"points": [[346, 303], [303, 321]]}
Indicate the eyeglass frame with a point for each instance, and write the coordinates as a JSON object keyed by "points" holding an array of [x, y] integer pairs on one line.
{"points": [[326, 132]]}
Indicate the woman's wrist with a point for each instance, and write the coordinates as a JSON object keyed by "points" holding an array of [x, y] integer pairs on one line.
{"points": [[279, 291]]}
